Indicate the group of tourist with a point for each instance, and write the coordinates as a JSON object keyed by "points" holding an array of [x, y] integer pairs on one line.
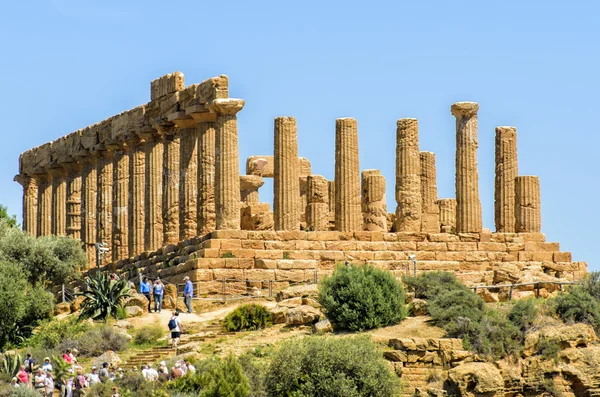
{"points": [[155, 291]]}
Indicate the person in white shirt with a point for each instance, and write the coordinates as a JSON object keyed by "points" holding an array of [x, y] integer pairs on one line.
{"points": [[176, 330], [93, 377], [145, 371], [47, 366], [152, 374], [190, 368]]}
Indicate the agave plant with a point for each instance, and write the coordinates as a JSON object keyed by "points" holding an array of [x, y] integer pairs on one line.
{"points": [[60, 367], [10, 364], [103, 298]]}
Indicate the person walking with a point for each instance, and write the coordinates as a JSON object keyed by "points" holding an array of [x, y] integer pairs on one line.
{"points": [[145, 289], [175, 328], [159, 290], [188, 293]]}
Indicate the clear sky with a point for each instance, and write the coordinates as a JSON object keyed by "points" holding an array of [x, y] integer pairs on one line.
{"points": [[65, 64]]}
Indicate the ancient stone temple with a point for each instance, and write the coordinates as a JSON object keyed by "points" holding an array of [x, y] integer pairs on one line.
{"points": [[161, 185]]}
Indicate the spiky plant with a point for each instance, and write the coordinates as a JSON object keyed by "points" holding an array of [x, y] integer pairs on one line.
{"points": [[103, 298], [60, 366], [11, 364]]}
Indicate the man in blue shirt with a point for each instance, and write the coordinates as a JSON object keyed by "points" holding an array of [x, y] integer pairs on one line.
{"points": [[188, 293], [145, 289]]}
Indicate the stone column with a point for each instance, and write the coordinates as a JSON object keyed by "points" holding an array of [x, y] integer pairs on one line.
{"points": [[74, 200], [317, 209], [59, 200], [137, 193], [44, 227], [153, 236], [89, 187], [105, 198], [447, 215], [373, 201], [227, 168], [348, 216], [286, 185], [303, 182], [468, 205], [430, 219], [206, 177], [30, 203], [120, 201], [528, 204], [171, 186], [408, 176], [188, 183], [331, 198], [507, 170], [249, 185]]}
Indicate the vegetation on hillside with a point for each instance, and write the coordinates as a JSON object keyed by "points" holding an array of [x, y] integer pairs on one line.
{"points": [[249, 317], [103, 297]]}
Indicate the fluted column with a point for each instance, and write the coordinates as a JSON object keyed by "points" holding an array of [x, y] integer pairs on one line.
{"points": [[430, 219], [348, 216], [154, 190], [44, 227], [74, 200], [227, 168], [331, 190], [188, 183], [373, 201], [249, 185], [528, 204], [171, 186], [30, 203], [447, 215], [317, 208], [137, 192], [468, 205], [507, 170], [120, 202], [89, 187], [206, 177], [59, 201], [408, 176], [286, 187], [105, 198]]}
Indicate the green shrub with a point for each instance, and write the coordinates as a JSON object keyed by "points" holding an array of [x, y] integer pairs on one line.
{"points": [[148, 334], [255, 372], [362, 297], [591, 284], [98, 340], [497, 336], [578, 306], [50, 334], [248, 317], [103, 298], [24, 392], [10, 364], [451, 305], [523, 314], [430, 284], [548, 348], [321, 366]]}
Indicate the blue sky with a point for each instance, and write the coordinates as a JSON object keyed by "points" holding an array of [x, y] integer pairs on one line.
{"points": [[68, 63]]}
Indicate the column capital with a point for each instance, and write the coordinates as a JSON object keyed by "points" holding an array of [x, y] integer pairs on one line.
{"points": [[227, 106], [22, 179], [464, 109], [251, 182], [150, 135], [57, 170]]}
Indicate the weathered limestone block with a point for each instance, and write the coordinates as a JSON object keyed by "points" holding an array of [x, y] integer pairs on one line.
{"points": [[447, 215], [373, 201], [506, 172], [528, 204], [166, 85], [474, 379], [59, 201], [408, 176], [286, 187], [188, 183], [317, 209], [206, 177], [347, 173], [468, 205], [227, 168], [153, 198], [73, 227], [265, 166], [249, 185], [257, 217], [170, 205]]}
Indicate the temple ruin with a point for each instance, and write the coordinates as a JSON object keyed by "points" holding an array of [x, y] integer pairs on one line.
{"points": [[161, 185]]}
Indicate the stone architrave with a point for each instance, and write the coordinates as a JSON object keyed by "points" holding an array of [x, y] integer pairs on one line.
{"points": [[30, 203], [206, 177], [44, 227], [528, 204], [73, 199], [286, 187], [317, 208], [137, 192], [120, 221], [507, 170], [105, 198], [227, 163], [348, 214], [188, 183], [153, 148], [430, 222], [59, 201], [171, 186], [249, 185], [408, 176], [447, 215], [468, 205], [374, 208]]}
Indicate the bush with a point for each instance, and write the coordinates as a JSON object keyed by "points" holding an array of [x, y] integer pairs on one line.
{"points": [[523, 314], [248, 317], [362, 297], [430, 284], [148, 334], [548, 348], [98, 340], [256, 373], [103, 297], [591, 284], [578, 306], [497, 336], [447, 307], [322, 366], [24, 392]]}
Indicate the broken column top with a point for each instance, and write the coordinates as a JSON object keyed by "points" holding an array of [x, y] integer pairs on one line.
{"points": [[251, 182], [405, 122], [166, 85], [464, 108]]}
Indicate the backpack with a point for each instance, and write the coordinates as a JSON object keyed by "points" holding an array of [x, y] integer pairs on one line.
{"points": [[172, 324]]}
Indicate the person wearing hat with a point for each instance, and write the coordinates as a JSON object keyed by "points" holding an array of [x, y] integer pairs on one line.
{"points": [[93, 377], [103, 374], [159, 290], [47, 366], [13, 382], [49, 384], [188, 293]]}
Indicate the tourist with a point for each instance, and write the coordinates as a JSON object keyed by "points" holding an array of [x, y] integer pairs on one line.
{"points": [[188, 293], [145, 371], [70, 385], [152, 373], [39, 382], [80, 384], [163, 372], [28, 363], [191, 369], [176, 371], [115, 392], [119, 373], [68, 357], [159, 290], [49, 384], [104, 372], [13, 382], [93, 377], [175, 328], [74, 353], [146, 289], [23, 376], [47, 366], [183, 367]]}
